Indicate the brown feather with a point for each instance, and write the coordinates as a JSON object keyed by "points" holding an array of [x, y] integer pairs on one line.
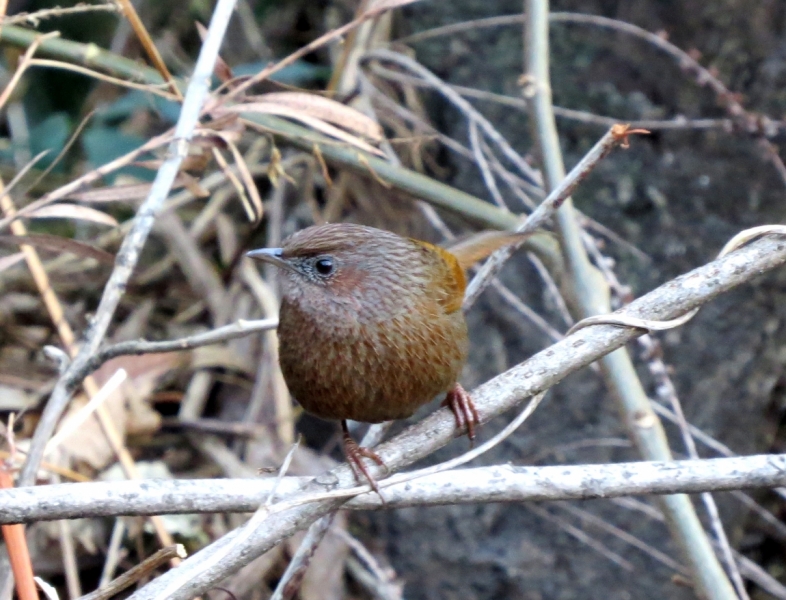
{"points": [[478, 246]]}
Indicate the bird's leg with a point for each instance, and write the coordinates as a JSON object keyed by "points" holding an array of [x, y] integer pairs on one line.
{"points": [[355, 455], [460, 402]]}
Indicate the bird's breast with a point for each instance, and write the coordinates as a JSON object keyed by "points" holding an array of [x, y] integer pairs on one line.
{"points": [[340, 365]]}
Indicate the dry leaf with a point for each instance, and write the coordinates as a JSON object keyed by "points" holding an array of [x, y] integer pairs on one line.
{"points": [[328, 110], [246, 178], [192, 185], [271, 108], [56, 243], [206, 357], [119, 193], [72, 211], [127, 406], [239, 188]]}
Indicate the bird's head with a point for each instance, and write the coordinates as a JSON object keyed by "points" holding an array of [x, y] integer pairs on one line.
{"points": [[342, 266]]}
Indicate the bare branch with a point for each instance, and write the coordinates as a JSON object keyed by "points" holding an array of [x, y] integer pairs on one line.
{"points": [[546, 209], [236, 330], [502, 483]]}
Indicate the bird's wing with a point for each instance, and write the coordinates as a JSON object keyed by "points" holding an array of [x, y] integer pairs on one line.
{"points": [[449, 281]]}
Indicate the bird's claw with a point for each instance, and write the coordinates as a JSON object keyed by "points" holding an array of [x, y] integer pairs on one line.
{"points": [[460, 403], [355, 455]]}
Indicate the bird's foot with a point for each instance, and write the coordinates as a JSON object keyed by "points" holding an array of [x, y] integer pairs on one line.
{"points": [[460, 402], [355, 455]]}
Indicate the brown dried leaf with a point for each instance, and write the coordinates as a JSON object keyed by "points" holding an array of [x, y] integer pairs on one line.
{"points": [[233, 179], [192, 185], [328, 110], [192, 162], [127, 406], [298, 115], [58, 244], [247, 179], [227, 122], [119, 193], [72, 211]]}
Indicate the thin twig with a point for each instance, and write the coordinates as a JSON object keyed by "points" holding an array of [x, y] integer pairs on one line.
{"points": [[114, 553], [128, 10], [138, 572], [551, 204], [16, 546], [145, 87], [68, 553], [290, 581], [626, 537], [383, 582], [483, 165], [281, 473], [34, 17], [581, 536], [465, 107], [24, 62], [678, 123], [333, 34], [667, 392], [239, 329]]}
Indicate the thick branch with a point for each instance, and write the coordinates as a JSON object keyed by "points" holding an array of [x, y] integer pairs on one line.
{"points": [[502, 483]]}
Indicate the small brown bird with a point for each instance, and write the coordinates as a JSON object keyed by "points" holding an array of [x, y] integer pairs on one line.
{"points": [[371, 326]]}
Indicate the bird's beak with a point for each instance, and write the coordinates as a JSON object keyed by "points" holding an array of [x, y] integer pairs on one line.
{"points": [[274, 256]]}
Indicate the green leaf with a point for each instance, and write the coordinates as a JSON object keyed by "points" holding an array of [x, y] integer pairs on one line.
{"points": [[103, 144], [50, 134]]}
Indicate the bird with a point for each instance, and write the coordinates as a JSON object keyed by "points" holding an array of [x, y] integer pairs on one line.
{"points": [[371, 326]]}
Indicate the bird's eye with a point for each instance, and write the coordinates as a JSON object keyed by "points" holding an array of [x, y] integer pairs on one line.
{"points": [[324, 266]]}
